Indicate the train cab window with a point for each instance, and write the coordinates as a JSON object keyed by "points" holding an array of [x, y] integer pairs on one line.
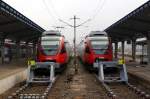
{"points": [[50, 47], [87, 49], [100, 46]]}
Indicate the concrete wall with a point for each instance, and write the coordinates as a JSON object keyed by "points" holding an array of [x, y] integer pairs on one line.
{"points": [[12, 80]]}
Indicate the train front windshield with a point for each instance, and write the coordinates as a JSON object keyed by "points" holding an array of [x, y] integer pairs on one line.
{"points": [[50, 47], [99, 46]]}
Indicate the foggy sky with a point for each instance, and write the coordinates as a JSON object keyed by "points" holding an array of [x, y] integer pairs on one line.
{"points": [[102, 13]]}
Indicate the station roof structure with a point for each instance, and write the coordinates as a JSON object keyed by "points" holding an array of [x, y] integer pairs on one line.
{"points": [[134, 25], [143, 42], [15, 26]]}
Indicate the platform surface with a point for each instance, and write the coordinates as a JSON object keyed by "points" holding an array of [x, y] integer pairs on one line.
{"points": [[137, 69], [11, 68], [142, 71], [12, 73]]}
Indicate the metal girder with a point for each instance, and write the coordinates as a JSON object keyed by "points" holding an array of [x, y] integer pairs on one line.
{"points": [[15, 25], [32, 38], [140, 20], [124, 27], [120, 33], [20, 30], [126, 33], [8, 22], [17, 31], [118, 38], [122, 36], [140, 16], [6, 9], [133, 30], [25, 35]]}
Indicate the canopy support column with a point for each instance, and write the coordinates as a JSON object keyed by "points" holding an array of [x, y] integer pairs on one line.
{"points": [[148, 49], [27, 50], [34, 50], [116, 50], [122, 45], [18, 50], [133, 49], [2, 40]]}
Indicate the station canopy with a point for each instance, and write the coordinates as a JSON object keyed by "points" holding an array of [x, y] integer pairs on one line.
{"points": [[143, 42], [135, 25], [15, 26]]}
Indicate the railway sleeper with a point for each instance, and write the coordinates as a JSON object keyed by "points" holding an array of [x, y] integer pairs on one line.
{"points": [[40, 73], [111, 91], [19, 93], [114, 72]]}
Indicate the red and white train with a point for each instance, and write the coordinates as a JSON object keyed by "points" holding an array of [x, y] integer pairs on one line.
{"points": [[97, 45], [53, 48]]}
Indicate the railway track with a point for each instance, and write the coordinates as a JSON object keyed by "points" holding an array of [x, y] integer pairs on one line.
{"points": [[82, 85], [32, 91], [77, 86], [116, 90]]}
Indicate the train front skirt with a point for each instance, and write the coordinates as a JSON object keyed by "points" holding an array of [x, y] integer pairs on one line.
{"points": [[111, 71], [41, 72]]}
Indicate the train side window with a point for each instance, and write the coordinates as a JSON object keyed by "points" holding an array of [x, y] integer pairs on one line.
{"points": [[63, 50], [87, 49]]}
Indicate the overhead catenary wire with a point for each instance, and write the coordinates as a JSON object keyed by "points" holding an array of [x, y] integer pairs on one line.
{"points": [[49, 11], [53, 7], [99, 7], [97, 10], [65, 23], [83, 23]]}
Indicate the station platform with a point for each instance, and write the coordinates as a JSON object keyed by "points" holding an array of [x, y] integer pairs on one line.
{"points": [[137, 70], [142, 71], [12, 73]]}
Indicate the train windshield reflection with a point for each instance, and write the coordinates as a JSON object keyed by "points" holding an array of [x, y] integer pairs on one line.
{"points": [[99, 47], [50, 47]]}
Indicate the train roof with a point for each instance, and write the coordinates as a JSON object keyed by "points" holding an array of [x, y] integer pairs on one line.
{"points": [[97, 33], [98, 38], [52, 33], [51, 38]]}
